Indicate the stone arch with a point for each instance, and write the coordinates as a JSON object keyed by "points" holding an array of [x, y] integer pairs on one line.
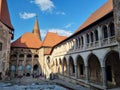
{"points": [[96, 35], [111, 29], [94, 67], [105, 32], [112, 65], [80, 67], [64, 66], [36, 56], [71, 66]]}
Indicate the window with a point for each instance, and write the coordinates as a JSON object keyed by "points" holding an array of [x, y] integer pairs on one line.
{"points": [[96, 35], [112, 30], [82, 40], [92, 39], [87, 38], [29, 56], [105, 33], [0, 46]]}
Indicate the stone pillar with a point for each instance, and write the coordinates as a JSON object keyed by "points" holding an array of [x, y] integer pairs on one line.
{"points": [[87, 74], [63, 69], [76, 72], [32, 62], [100, 36], [25, 63], [104, 79], [84, 41], [68, 70]]}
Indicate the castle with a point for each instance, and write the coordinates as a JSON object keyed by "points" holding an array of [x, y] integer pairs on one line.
{"points": [[89, 57]]}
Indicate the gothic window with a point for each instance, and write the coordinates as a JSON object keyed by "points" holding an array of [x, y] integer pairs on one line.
{"points": [[82, 40], [0, 46], [29, 56], [105, 33], [112, 30], [87, 38], [21, 55], [96, 35], [92, 38], [36, 56]]}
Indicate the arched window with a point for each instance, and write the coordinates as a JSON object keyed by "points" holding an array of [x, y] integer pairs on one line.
{"points": [[105, 33], [28, 67], [29, 56], [36, 56], [92, 38], [13, 67], [87, 38], [82, 40], [112, 29], [96, 35], [21, 55]]}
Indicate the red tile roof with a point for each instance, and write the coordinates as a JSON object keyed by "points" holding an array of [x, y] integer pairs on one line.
{"points": [[52, 39], [4, 14], [101, 12], [27, 40]]}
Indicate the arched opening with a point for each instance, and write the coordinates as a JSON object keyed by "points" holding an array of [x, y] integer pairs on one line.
{"points": [[35, 68], [36, 56], [113, 69], [105, 32], [21, 55], [28, 70], [96, 35], [29, 56], [80, 67], [87, 38], [71, 66], [94, 69], [64, 66], [112, 29], [92, 37]]}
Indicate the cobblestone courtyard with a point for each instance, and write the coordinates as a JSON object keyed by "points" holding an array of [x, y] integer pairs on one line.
{"points": [[29, 83]]}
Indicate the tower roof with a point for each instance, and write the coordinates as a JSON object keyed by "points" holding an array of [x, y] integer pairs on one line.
{"points": [[4, 14], [36, 30]]}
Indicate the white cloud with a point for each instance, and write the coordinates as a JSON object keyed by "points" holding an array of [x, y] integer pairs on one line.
{"points": [[69, 25], [60, 13], [61, 32], [26, 15], [45, 5]]}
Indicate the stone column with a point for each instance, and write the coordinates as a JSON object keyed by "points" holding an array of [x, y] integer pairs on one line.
{"points": [[84, 41], [63, 69], [100, 36], [76, 72], [87, 74], [104, 79], [25, 63], [68, 70], [32, 62]]}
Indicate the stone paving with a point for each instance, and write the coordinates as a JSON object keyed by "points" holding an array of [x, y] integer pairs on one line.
{"points": [[29, 83]]}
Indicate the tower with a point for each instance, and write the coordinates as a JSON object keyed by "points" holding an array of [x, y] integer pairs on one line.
{"points": [[36, 30]]}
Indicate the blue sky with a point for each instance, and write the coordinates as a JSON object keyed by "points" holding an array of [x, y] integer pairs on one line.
{"points": [[61, 16]]}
